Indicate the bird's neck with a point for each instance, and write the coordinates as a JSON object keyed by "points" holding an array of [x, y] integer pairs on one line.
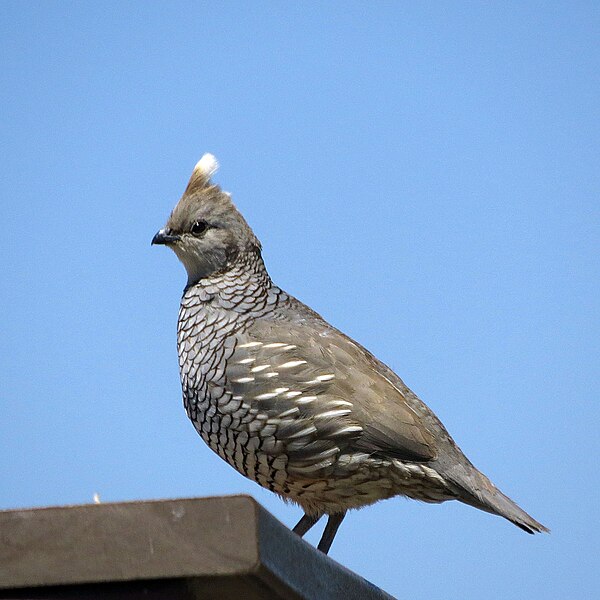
{"points": [[245, 287]]}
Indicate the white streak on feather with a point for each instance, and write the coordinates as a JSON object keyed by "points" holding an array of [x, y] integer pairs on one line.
{"points": [[327, 377], [303, 432], [266, 396], [306, 399], [333, 413], [292, 363]]}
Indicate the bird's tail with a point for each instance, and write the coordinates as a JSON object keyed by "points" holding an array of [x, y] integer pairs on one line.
{"points": [[486, 496]]}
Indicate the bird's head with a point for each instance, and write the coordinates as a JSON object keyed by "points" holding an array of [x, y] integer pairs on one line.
{"points": [[205, 229]]}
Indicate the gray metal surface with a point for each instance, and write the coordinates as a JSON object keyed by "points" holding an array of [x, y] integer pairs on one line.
{"points": [[220, 547]]}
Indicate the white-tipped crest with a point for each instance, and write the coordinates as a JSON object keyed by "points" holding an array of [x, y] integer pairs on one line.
{"points": [[206, 167]]}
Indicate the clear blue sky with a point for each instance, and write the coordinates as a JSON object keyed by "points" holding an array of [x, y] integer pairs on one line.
{"points": [[425, 175]]}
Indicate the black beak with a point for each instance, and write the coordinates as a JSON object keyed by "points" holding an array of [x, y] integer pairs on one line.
{"points": [[165, 237]]}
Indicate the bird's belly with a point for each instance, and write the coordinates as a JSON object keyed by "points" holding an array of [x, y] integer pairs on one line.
{"points": [[339, 491], [232, 430], [375, 479], [342, 489]]}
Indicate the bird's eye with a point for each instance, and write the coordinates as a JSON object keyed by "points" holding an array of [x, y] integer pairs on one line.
{"points": [[199, 227]]}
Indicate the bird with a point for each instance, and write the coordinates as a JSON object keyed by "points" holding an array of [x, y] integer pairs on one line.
{"points": [[290, 401]]}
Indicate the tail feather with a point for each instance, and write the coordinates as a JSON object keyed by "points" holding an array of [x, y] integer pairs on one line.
{"points": [[490, 499], [502, 505]]}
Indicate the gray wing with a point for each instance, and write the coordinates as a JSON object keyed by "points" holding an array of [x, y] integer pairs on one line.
{"points": [[316, 395]]}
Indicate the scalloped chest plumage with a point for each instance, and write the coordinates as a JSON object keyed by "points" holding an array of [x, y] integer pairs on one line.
{"points": [[278, 417]]}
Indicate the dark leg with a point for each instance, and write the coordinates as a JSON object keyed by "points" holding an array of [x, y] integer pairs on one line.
{"points": [[333, 523], [305, 523]]}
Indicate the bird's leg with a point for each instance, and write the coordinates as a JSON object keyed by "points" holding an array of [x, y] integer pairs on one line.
{"points": [[305, 523], [333, 523]]}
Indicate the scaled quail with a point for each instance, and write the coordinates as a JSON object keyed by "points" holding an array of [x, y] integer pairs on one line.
{"points": [[288, 400]]}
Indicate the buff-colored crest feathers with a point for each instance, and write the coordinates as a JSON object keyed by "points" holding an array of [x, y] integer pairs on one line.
{"points": [[203, 171], [206, 166]]}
